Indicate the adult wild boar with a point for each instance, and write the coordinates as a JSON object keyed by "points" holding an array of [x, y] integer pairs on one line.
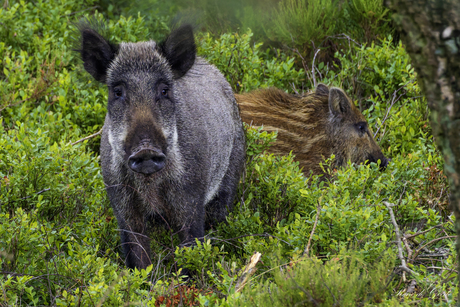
{"points": [[313, 126], [172, 145]]}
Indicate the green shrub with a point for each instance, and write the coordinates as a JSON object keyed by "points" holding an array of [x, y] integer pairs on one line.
{"points": [[284, 203], [245, 67], [300, 23], [368, 19], [41, 77], [375, 70], [346, 280], [58, 237]]}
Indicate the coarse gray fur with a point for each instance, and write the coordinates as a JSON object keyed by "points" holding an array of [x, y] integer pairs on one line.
{"points": [[179, 111]]}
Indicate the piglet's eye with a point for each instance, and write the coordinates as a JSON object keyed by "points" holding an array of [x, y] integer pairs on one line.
{"points": [[361, 127], [164, 92]]}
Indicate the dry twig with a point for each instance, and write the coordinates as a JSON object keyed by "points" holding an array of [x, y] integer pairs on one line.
{"points": [[393, 101], [304, 62], [313, 68], [248, 271], [411, 287], [403, 265], [344, 36], [422, 232], [431, 242], [409, 250], [88, 137], [306, 252]]}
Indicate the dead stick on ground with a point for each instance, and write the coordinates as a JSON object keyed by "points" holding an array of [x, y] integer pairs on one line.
{"points": [[398, 239], [411, 287], [422, 232], [248, 271], [88, 137], [409, 250], [313, 69], [306, 252], [431, 242]]}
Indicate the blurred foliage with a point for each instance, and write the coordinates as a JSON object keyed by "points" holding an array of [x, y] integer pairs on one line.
{"points": [[59, 243], [246, 67], [299, 26], [300, 23]]}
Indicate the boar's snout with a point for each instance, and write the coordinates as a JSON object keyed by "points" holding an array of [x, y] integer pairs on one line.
{"points": [[384, 161], [147, 161]]}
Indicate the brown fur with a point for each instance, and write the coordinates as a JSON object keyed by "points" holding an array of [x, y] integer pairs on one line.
{"points": [[313, 126]]}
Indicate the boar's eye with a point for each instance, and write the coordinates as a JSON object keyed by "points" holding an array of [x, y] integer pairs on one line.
{"points": [[118, 91], [163, 89]]}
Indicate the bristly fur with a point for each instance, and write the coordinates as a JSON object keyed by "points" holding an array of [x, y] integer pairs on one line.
{"points": [[172, 146], [91, 43], [313, 126], [137, 57], [173, 49]]}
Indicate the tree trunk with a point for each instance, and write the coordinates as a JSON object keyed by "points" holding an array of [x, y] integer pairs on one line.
{"points": [[430, 30]]}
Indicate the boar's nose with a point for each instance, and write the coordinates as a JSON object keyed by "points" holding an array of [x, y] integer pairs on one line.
{"points": [[384, 163], [147, 161]]}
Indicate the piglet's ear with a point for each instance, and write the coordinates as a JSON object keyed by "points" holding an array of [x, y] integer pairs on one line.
{"points": [[180, 50], [339, 104], [96, 52]]}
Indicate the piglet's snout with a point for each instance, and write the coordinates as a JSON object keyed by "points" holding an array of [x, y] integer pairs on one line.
{"points": [[147, 161]]}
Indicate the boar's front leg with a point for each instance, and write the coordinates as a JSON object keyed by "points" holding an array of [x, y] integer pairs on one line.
{"points": [[133, 230], [190, 224], [135, 242]]}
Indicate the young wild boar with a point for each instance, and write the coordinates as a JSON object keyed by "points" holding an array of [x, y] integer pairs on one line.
{"points": [[172, 145], [312, 126]]}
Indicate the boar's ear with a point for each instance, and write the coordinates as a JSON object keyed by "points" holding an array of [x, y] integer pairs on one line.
{"points": [[322, 89], [339, 104], [96, 52], [180, 50]]}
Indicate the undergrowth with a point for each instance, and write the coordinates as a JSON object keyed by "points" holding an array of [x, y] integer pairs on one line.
{"points": [[329, 242]]}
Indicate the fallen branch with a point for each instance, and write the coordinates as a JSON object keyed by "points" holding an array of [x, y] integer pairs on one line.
{"points": [[88, 137], [439, 268], [435, 255], [431, 242], [306, 252], [422, 232], [409, 250], [403, 265], [38, 193], [248, 271], [344, 36], [411, 288]]}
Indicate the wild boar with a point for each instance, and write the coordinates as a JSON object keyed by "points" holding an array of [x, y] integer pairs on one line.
{"points": [[313, 126], [173, 145]]}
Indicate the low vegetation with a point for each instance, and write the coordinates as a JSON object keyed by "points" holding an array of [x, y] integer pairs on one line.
{"points": [[323, 243]]}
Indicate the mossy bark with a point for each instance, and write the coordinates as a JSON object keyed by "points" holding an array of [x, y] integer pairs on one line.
{"points": [[430, 30]]}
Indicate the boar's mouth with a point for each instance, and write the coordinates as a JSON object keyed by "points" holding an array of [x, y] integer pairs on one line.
{"points": [[147, 161], [383, 161]]}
